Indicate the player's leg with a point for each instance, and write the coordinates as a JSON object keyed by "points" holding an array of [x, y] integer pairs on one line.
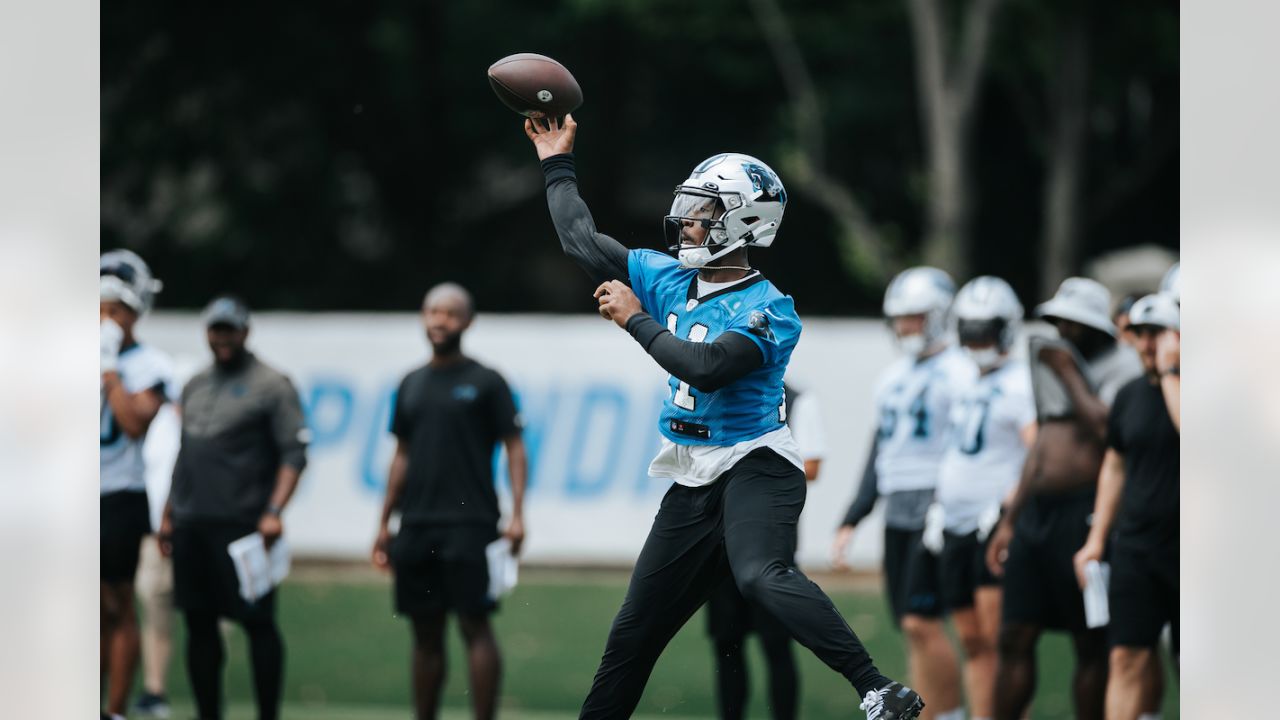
{"points": [[972, 597], [1068, 530], [1141, 602], [205, 658], [484, 663], [763, 500], [727, 626], [982, 666], [934, 667], [681, 561], [429, 663], [155, 595], [1015, 669], [122, 660], [466, 576], [784, 681], [1089, 684], [419, 594], [1130, 687], [1022, 617], [124, 522], [266, 655]]}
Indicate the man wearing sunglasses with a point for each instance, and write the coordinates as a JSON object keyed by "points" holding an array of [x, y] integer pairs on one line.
{"points": [[725, 335]]}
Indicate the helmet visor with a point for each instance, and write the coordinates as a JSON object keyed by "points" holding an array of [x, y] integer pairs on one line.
{"points": [[980, 332], [121, 270], [695, 205], [691, 219]]}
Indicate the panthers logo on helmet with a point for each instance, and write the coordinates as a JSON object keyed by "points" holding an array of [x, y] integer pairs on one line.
{"points": [[763, 180]]}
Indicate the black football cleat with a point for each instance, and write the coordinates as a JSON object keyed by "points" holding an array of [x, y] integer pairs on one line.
{"points": [[894, 701]]}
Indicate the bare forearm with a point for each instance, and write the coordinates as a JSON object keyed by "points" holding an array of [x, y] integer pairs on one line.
{"points": [[395, 484], [1171, 387], [1020, 491], [518, 471], [132, 412], [286, 482], [1110, 490]]}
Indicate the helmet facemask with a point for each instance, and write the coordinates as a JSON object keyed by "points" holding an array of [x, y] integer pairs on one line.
{"points": [[692, 209], [986, 341]]}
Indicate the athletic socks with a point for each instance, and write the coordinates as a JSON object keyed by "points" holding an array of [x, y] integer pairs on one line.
{"points": [[956, 714]]}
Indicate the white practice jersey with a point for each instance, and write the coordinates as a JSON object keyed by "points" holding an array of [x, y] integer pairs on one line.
{"points": [[914, 399], [985, 456], [120, 465]]}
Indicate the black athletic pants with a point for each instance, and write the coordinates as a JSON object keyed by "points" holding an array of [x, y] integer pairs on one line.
{"points": [[744, 523]]}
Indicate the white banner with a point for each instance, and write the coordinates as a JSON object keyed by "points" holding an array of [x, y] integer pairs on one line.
{"points": [[589, 397]]}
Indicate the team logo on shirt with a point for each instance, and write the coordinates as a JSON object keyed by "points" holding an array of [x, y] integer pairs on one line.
{"points": [[465, 393], [758, 324]]}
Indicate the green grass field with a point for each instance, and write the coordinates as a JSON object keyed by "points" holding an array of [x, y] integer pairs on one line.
{"points": [[348, 655]]}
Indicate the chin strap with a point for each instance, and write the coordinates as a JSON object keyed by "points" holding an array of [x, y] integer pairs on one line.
{"points": [[722, 252]]}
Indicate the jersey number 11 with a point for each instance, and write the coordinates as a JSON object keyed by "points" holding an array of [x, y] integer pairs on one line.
{"points": [[697, 333]]}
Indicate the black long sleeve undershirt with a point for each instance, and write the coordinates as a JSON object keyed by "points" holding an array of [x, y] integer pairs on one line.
{"points": [[707, 367], [602, 257], [868, 493]]}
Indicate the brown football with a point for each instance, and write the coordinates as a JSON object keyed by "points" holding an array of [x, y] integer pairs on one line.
{"points": [[535, 85]]}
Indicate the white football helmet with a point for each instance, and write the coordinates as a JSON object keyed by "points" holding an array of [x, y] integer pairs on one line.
{"points": [[987, 311], [125, 277], [924, 291], [1172, 283], [751, 195], [1160, 310]]}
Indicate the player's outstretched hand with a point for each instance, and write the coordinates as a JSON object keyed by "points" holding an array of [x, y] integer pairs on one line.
{"points": [[550, 137], [617, 302]]}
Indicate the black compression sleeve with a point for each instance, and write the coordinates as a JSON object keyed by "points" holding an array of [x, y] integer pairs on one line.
{"points": [[867, 490], [600, 255], [705, 366]]}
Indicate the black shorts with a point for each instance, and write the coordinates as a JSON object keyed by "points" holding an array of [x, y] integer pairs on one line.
{"points": [[204, 578], [1143, 595], [962, 569], [124, 519], [442, 568], [1040, 586], [910, 575], [731, 617]]}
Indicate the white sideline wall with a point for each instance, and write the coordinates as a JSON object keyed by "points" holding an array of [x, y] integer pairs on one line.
{"points": [[589, 397]]}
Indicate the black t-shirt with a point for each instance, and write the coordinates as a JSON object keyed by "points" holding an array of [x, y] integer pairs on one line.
{"points": [[1139, 428], [451, 419]]}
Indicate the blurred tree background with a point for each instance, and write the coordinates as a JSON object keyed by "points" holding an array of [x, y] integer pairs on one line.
{"points": [[349, 155]]}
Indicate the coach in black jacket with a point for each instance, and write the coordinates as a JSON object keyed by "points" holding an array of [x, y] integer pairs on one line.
{"points": [[243, 448]]}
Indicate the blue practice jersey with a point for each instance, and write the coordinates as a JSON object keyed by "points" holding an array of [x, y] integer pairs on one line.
{"points": [[754, 404]]}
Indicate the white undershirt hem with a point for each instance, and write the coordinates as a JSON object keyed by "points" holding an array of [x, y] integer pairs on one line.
{"points": [[698, 465]]}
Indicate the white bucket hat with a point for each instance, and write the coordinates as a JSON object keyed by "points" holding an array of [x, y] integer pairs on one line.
{"points": [[1081, 300]]}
